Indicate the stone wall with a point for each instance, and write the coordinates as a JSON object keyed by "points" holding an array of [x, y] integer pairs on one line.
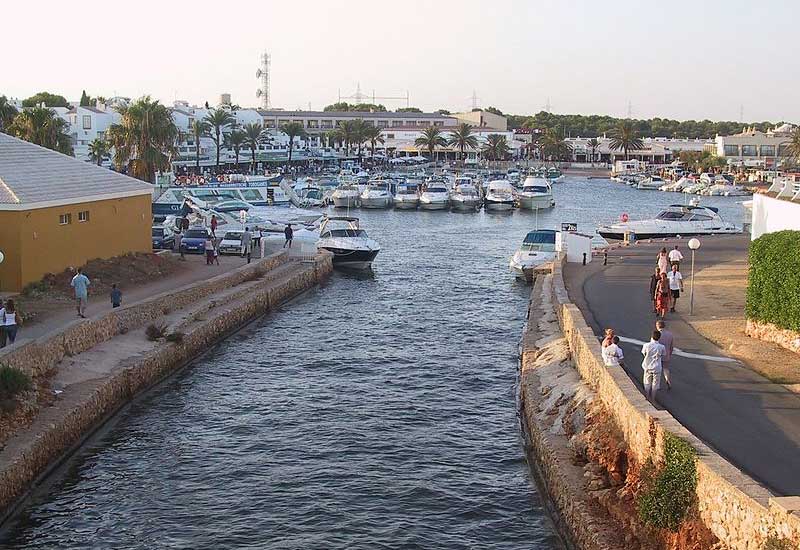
{"points": [[789, 339], [739, 511]]}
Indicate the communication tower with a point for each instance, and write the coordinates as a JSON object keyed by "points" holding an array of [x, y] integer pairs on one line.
{"points": [[263, 75]]}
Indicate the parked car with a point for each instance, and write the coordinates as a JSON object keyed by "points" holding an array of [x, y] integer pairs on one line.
{"points": [[231, 243], [194, 240], [163, 238]]}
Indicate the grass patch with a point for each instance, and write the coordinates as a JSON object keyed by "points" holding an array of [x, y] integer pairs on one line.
{"points": [[13, 382], [774, 542], [175, 337]]}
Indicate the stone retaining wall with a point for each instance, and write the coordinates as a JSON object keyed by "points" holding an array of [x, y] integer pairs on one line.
{"points": [[789, 339], [739, 511]]}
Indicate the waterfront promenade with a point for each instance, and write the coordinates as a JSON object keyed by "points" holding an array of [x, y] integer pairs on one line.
{"points": [[751, 421]]}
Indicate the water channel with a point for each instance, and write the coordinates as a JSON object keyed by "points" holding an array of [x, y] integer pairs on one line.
{"points": [[375, 412]]}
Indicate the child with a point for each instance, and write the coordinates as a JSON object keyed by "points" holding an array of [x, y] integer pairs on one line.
{"points": [[612, 354], [116, 296]]}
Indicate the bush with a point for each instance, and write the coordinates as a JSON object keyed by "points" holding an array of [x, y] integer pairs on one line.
{"points": [[774, 280], [668, 496], [12, 382], [175, 337], [777, 543], [155, 331]]}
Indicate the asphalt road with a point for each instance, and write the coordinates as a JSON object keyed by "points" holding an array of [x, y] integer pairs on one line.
{"points": [[751, 421]]}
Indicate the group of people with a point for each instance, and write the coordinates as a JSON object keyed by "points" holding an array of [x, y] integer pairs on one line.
{"points": [[666, 283], [80, 283]]}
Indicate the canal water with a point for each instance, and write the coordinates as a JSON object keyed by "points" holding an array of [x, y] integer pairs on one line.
{"points": [[375, 412]]}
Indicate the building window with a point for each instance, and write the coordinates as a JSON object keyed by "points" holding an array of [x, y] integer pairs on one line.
{"points": [[389, 136], [282, 122], [438, 123], [269, 123], [313, 124], [749, 151], [783, 150], [83, 216], [327, 124], [731, 150], [397, 123], [767, 150], [65, 219], [87, 122], [383, 123]]}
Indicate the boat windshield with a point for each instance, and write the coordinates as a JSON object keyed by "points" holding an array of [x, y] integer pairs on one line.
{"points": [[535, 189], [673, 216], [311, 193], [407, 190], [378, 186], [467, 189], [538, 247], [345, 233], [436, 189]]}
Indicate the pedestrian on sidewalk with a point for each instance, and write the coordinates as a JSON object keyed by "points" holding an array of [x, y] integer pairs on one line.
{"points": [[116, 296], [675, 257], [612, 354], [214, 223], [654, 278], [668, 341], [663, 261], [289, 234], [11, 320], [675, 285], [80, 283], [2, 326], [608, 337], [208, 246], [653, 352], [663, 295], [247, 243], [216, 253]]}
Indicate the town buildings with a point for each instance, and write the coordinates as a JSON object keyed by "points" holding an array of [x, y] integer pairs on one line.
{"points": [[754, 148]]}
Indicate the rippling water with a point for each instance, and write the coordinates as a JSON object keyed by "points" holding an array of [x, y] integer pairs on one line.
{"points": [[374, 412]]}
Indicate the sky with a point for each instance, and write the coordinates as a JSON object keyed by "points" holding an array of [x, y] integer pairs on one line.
{"points": [[679, 59]]}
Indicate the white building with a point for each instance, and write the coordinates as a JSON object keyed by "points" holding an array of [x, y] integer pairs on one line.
{"points": [[87, 124], [400, 142], [754, 148]]}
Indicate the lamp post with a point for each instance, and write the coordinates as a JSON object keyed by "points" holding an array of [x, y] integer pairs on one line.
{"points": [[694, 244]]}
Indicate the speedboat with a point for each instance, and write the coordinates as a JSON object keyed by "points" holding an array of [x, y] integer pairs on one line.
{"points": [[310, 196], [677, 219], [499, 196], [465, 196], [554, 174], [346, 195], [538, 248], [407, 196], [434, 196], [536, 193], [351, 246], [653, 183], [377, 195]]}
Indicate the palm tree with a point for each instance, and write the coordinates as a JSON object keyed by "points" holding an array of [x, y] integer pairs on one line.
{"points": [[593, 144], [293, 130], [42, 126], [360, 134], [462, 138], [624, 137], [98, 148], [372, 134], [793, 147], [7, 113], [553, 146], [144, 138], [200, 128], [218, 120], [347, 133], [430, 139], [253, 136], [496, 147], [235, 140]]}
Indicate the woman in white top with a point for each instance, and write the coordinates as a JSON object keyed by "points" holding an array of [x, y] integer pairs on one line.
{"points": [[10, 320]]}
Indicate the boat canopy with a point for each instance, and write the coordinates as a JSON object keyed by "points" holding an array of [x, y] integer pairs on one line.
{"points": [[541, 236]]}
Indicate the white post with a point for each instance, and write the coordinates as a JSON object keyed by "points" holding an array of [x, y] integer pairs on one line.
{"points": [[691, 290]]}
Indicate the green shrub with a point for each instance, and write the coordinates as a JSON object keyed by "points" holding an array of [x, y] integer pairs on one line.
{"points": [[175, 337], [774, 280], [669, 495], [12, 382], [776, 543], [155, 331]]}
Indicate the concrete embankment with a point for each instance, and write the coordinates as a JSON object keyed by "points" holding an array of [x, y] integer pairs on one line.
{"points": [[100, 364], [610, 431]]}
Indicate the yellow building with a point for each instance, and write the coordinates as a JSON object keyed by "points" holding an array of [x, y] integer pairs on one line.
{"points": [[483, 119], [58, 212]]}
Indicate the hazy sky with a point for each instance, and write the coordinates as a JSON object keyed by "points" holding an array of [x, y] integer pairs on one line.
{"points": [[678, 59]]}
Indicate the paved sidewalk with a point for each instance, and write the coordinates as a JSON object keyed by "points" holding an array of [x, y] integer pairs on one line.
{"points": [[751, 421]]}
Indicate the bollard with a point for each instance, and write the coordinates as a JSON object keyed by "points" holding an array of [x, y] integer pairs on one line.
{"points": [[605, 257], [584, 258]]}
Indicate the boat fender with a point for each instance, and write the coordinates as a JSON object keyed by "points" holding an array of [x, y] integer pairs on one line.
{"points": [[624, 217]]}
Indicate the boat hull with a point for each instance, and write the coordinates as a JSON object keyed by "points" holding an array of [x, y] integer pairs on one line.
{"points": [[409, 204], [536, 203], [499, 206], [345, 202], [439, 205], [618, 236], [352, 259], [466, 205], [376, 203]]}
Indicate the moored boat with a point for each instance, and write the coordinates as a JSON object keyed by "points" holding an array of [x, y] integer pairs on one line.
{"points": [[350, 245], [677, 219], [537, 249], [499, 196], [536, 193]]}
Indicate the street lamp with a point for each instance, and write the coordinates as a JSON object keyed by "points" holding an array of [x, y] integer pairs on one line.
{"points": [[694, 244]]}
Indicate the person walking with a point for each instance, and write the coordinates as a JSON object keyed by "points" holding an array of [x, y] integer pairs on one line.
{"points": [[612, 354], [653, 352], [675, 285], [80, 283], [663, 261], [208, 246], [654, 278], [214, 223], [662, 296], [11, 320], [2, 326], [668, 341], [247, 243], [116, 296], [289, 234], [675, 257]]}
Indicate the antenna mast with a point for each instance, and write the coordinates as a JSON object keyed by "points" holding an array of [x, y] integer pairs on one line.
{"points": [[263, 74]]}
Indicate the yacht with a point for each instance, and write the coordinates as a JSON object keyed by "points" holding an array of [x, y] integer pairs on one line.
{"points": [[536, 193], [554, 174], [653, 183], [538, 248], [346, 195], [255, 190], [310, 196], [377, 195], [499, 196], [677, 219], [407, 196], [465, 196], [350, 245], [434, 196]]}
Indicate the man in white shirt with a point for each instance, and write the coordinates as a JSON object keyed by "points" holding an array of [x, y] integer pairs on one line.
{"points": [[675, 256], [653, 353], [612, 354], [668, 341], [675, 284]]}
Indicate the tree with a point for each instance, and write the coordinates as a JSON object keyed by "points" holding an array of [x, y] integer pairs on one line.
{"points": [[235, 140], [792, 148], [430, 139], [625, 137], [144, 139], [200, 128], [42, 126], [496, 147], [84, 99], [462, 138], [360, 134], [409, 110], [593, 144], [701, 161], [293, 130], [372, 134], [338, 106], [7, 113], [49, 100], [494, 110], [368, 108], [98, 148], [253, 136], [553, 146], [218, 120], [444, 112], [347, 134]]}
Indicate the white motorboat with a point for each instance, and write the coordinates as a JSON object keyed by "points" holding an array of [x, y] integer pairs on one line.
{"points": [[499, 196], [351, 246], [536, 193], [310, 196], [407, 196], [677, 219], [434, 196], [538, 248], [653, 183], [695, 188], [465, 196], [377, 195], [346, 195]]}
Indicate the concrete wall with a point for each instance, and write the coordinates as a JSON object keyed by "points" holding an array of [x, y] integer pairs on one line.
{"points": [[739, 511], [770, 215]]}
